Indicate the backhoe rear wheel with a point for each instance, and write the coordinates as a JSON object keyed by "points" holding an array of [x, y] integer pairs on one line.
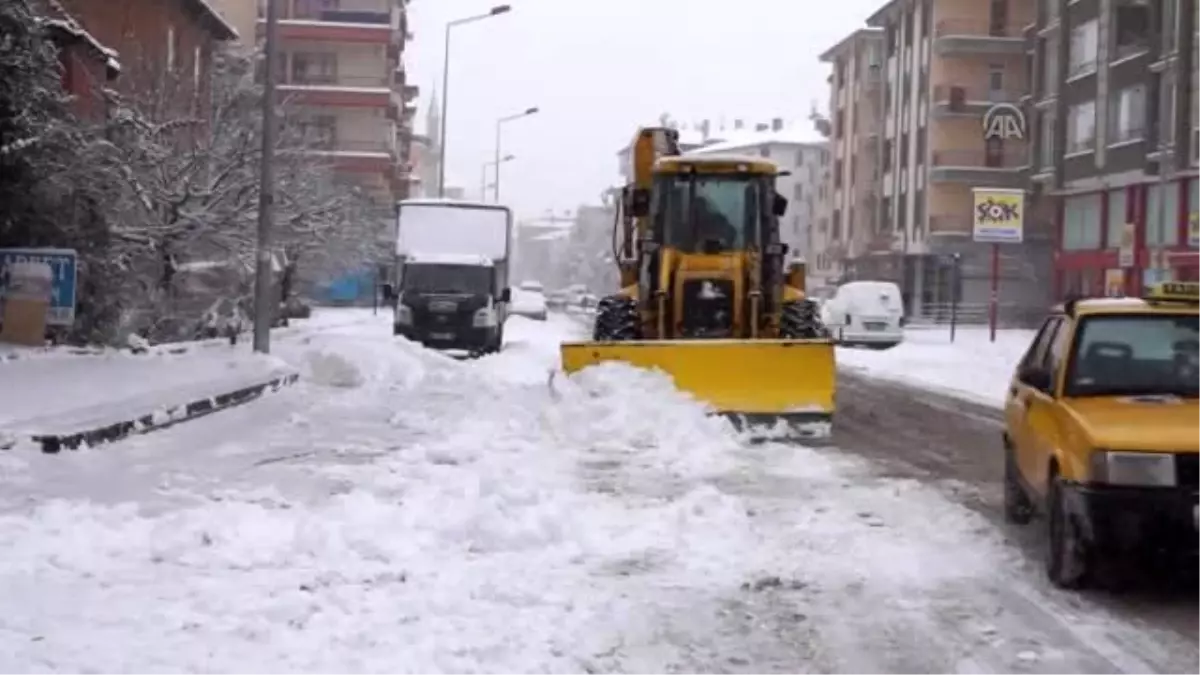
{"points": [[616, 319], [801, 320]]}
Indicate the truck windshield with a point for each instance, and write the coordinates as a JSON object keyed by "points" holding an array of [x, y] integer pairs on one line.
{"points": [[699, 214], [464, 279], [1134, 354]]}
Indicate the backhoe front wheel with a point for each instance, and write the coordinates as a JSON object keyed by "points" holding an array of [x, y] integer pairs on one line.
{"points": [[801, 320], [616, 319]]}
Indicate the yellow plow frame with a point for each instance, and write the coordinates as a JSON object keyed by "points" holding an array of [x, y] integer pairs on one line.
{"points": [[759, 381]]}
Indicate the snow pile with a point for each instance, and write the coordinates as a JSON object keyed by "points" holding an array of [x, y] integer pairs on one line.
{"points": [[971, 367], [461, 516], [333, 370]]}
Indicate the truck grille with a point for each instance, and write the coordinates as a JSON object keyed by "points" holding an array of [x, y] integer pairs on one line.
{"points": [[707, 308]]}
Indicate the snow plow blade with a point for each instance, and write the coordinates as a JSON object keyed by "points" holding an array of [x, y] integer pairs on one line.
{"points": [[756, 382]]}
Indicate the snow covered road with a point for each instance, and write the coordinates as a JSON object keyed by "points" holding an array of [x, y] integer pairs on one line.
{"points": [[402, 511]]}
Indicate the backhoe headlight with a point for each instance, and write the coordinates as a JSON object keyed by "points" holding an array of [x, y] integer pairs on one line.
{"points": [[403, 315], [485, 317], [1136, 469]]}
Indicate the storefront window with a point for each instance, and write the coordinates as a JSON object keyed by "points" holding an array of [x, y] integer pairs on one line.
{"points": [[1116, 217], [1162, 215], [1081, 222]]}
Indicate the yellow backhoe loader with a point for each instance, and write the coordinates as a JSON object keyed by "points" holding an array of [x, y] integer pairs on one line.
{"points": [[707, 293]]}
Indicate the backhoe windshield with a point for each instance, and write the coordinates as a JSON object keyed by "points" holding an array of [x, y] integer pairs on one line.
{"points": [[699, 214], [1131, 355]]}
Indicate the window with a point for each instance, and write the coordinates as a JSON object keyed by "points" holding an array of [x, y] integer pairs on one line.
{"points": [[1130, 29], [1081, 223], [1162, 215], [798, 192], [1081, 127], [837, 174], [170, 49], [1050, 66], [1046, 149], [1170, 10], [799, 158], [314, 68], [1127, 114], [1130, 355], [1083, 49], [1116, 217], [319, 131], [1166, 130], [996, 77]]}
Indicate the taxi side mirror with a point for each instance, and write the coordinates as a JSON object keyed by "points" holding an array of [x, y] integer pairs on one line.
{"points": [[1036, 377]]}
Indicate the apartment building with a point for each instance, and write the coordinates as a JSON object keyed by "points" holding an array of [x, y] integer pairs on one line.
{"points": [[341, 72], [1115, 105], [852, 224], [945, 63]]}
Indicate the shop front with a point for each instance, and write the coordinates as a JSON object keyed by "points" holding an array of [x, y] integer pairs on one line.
{"points": [[1118, 241]]}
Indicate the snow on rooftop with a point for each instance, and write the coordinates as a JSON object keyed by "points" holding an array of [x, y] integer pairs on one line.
{"points": [[71, 26], [213, 14], [448, 259], [795, 134], [336, 87]]}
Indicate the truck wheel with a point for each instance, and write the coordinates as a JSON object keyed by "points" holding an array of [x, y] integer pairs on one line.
{"points": [[1069, 560], [801, 320], [616, 319], [1018, 510]]}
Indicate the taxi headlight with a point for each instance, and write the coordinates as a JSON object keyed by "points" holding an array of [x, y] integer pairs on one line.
{"points": [[1142, 469]]}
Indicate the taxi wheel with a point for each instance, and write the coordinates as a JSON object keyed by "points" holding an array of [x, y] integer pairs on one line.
{"points": [[1068, 560], [1017, 507]]}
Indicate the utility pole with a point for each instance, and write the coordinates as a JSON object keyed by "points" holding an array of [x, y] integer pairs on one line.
{"points": [[264, 308]]}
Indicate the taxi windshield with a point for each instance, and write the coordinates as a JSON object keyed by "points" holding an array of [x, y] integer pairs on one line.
{"points": [[1135, 355]]}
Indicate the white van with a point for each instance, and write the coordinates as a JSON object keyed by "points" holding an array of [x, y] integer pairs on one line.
{"points": [[869, 313]]}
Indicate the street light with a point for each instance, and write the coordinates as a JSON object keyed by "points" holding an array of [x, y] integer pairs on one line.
{"points": [[495, 11], [499, 125], [264, 308], [484, 172]]}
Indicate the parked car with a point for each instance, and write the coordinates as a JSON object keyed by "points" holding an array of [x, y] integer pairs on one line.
{"points": [[556, 300], [528, 303], [532, 285], [868, 313]]}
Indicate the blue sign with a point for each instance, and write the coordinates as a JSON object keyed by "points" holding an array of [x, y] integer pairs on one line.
{"points": [[64, 266]]}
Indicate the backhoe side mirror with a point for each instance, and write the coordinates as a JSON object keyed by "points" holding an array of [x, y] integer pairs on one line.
{"points": [[389, 292], [779, 205], [639, 203], [506, 295]]}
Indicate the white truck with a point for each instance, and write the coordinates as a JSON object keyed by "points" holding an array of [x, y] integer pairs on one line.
{"points": [[450, 283]]}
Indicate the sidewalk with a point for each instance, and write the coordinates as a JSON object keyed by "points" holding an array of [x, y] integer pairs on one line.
{"points": [[66, 400], [65, 397]]}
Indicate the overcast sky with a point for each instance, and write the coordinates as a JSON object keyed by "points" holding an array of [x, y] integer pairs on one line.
{"points": [[599, 68]]}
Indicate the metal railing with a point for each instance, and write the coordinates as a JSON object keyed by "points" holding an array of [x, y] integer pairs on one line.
{"points": [[335, 80], [980, 159], [304, 11], [981, 28], [950, 93]]}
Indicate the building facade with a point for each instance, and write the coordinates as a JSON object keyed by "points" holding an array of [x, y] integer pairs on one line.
{"points": [[341, 73], [945, 63], [165, 48], [852, 224], [1115, 107]]}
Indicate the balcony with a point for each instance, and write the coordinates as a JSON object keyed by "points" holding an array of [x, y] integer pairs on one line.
{"points": [[950, 225], [358, 156], [978, 36], [980, 167], [959, 101], [300, 22], [343, 91]]}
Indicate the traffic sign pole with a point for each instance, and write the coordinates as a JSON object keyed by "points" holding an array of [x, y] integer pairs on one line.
{"points": [[994, 304]]}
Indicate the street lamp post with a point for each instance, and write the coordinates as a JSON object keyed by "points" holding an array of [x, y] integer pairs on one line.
{"points": [[483, 174], [264, 308], [499, 126], [495, 11]]}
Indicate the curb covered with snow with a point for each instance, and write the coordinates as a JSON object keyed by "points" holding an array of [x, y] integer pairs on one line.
{"points": [[159, 419]]}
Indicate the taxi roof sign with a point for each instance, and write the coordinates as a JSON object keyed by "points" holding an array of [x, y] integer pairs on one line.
{"points": [[1174, 291]]}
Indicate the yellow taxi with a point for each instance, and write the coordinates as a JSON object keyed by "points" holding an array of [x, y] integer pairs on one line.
{"points": [[1102, 429]]}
